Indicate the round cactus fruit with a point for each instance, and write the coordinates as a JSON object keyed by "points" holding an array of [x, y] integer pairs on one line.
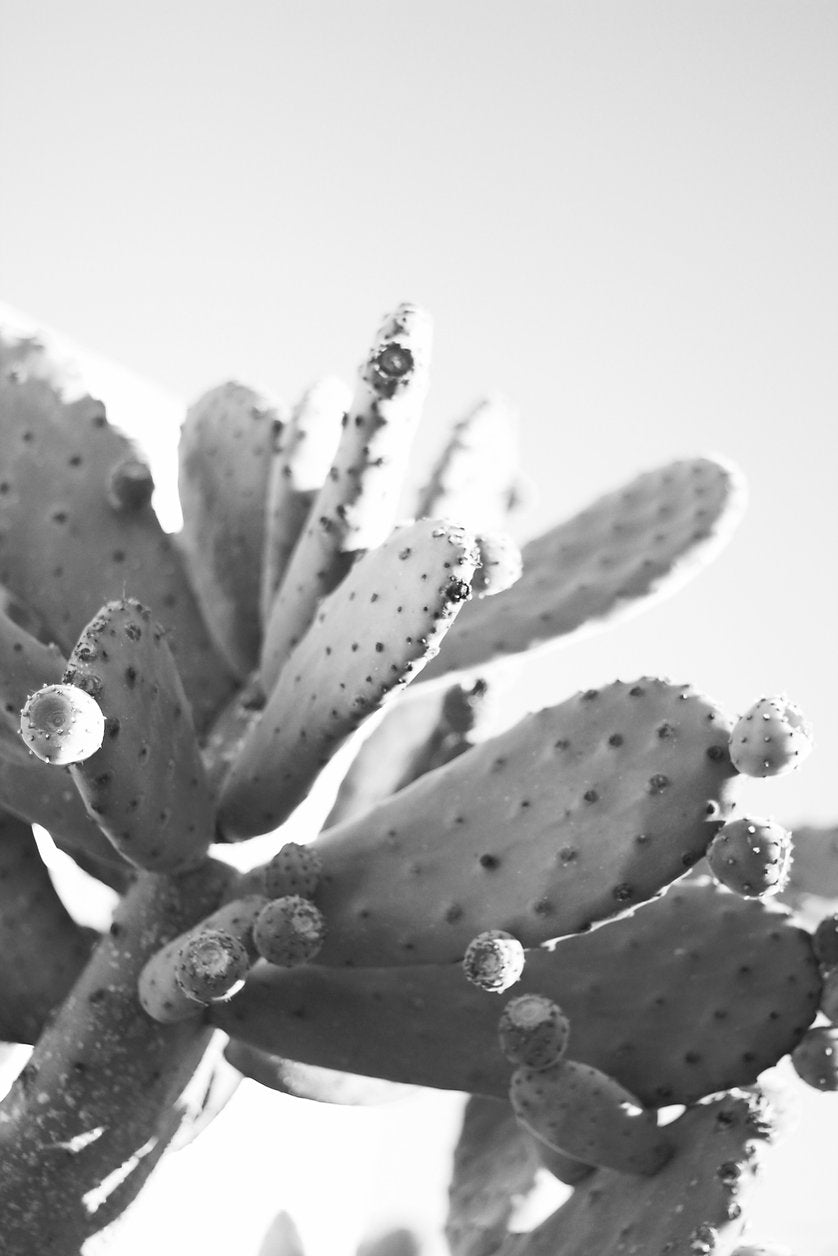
{"points": [[494, 960], [62, 724], [288, 931], [825, 942], [815, 1058], [751, 856], [533, 1031], [771, 738], [294, 869], [211, 965], [130, 485]]}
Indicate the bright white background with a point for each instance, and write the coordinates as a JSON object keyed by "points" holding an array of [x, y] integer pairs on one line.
{"points": [[622, 214]]}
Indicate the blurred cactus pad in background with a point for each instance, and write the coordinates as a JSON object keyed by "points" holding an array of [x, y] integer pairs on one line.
{"points": [[571, 920]]}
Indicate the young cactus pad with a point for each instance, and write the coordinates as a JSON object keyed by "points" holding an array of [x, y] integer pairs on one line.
{"points": [[576, 814]]}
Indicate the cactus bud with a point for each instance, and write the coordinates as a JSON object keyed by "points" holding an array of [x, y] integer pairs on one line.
{"points": [[294, 869], [130, 485], [533, 1031], [494, 961], [815, 1058], [751, 856], [211, 965], [62, 724], [772, 737], [288, 931]]}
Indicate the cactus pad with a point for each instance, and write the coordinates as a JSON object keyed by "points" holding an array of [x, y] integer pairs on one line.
{"points": [[226, 447], [64, 550], [576, 814], [643, 540], [717, 1151], [370, 637], [146, 787], [696, 992]]}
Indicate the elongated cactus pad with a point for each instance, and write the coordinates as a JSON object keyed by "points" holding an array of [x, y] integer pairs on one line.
{"points": [[64, 550], [146, 787], [475, 474], [356, 507], [577, 813], [643, 540], [306, 1081], [370, 637], [305, 451], [718, 1147], [226, 449], [108, 1068], [695, 992]]}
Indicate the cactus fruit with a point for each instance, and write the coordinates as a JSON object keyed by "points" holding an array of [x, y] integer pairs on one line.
{"points": [[815, 1058], [493, 961], [751, 856], [533, 1031], [227, 666], [288, 931], [294, 869], [210, 965], [772, 737], [62, 724]]}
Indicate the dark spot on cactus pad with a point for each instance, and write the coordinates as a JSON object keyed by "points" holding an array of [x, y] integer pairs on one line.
{"points": [[616, 739], [666, 730], [623, 893], [567, 854], [589, 694], [636, 691], [379, 647], [716, 753], [453, 913], [489, 861], [658, 783], [561, 744], [591, 795], [131, 676], [394, 361]]}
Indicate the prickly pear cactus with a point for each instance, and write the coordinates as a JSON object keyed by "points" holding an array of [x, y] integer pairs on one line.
{"points": [[507, 913]]}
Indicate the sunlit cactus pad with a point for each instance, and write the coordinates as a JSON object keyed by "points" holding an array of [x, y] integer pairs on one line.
{"points": [[639, 541]]}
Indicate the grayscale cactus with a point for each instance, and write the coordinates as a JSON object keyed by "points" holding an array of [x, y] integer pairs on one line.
{"points": [[523, 916]]}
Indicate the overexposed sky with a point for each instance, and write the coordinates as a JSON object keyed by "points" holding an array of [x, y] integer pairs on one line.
{"points": [[622, 214]]}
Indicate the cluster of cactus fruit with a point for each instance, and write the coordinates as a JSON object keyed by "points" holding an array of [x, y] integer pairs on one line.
{"points": [[165, 695]]}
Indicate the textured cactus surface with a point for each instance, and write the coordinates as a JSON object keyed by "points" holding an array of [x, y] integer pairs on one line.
{"points": [[509, 912]]}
